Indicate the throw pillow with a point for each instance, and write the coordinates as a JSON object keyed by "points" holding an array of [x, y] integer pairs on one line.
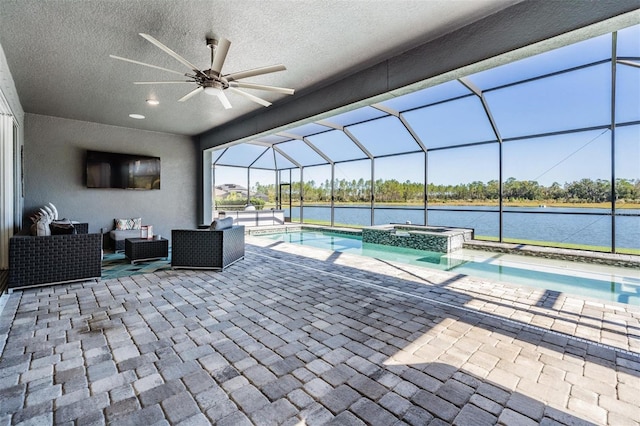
{"points": [[127, 224], [42, 229], [221, 224], [62, 228], [121, 224], [42, 223]]}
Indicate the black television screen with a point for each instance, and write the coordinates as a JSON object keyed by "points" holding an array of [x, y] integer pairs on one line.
{"points": [[127, 171]]}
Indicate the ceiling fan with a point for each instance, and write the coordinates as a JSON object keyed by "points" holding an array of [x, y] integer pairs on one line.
{"points": [[212, 81]]}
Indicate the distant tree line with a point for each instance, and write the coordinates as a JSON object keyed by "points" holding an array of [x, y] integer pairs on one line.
{"points": [[359, 191]]}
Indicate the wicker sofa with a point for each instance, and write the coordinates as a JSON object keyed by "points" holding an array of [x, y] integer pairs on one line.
{"points": [[54, 259], [118, 238], [206, 249]]}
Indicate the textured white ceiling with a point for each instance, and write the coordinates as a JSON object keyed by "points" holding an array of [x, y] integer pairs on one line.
{"points": [[58, 51]]}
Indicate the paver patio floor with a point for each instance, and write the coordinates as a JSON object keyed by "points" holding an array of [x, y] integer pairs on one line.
{"points": [[294, 335]]}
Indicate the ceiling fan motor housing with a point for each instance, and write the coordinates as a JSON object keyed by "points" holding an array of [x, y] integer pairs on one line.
{"points": [[214, 80], [212, 43]]}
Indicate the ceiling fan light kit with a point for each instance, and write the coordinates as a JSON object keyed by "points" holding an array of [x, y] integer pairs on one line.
{"points": [[211, 90], [211, 81]]}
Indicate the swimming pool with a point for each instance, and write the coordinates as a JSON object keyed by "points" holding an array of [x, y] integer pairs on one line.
{"points": [[606, 283]]}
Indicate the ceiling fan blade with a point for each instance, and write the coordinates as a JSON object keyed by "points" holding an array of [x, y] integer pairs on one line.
{"points": [[146, 65], [191, 94], [223, 98], [261, 87], [630, 63], [220, 55], [250, 96], [162, 82], [172, 53], [254, 72]]}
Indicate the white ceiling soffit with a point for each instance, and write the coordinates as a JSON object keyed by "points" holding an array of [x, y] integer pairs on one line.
{"points": [[58, 51]]}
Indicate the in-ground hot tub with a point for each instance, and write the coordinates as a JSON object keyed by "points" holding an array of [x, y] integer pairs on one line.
{"points": [[431, 238]]}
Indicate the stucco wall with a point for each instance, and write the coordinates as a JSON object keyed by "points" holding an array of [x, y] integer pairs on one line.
{"points": [[54, 159], [8, 89]]}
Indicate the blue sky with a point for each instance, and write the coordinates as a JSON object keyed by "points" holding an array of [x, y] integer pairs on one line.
{"points": [[573, 100]]}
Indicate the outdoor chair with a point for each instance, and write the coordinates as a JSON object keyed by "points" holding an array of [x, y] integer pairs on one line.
{"points": [[206, 249]]}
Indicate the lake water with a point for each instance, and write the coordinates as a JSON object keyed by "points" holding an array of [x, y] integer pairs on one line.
{"points": [[572, 226]]}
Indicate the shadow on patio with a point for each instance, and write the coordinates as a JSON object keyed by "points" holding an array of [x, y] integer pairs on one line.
{"points": [[286, 338]]}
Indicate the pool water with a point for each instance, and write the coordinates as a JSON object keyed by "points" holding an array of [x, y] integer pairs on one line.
{"points": [[603, 282]]}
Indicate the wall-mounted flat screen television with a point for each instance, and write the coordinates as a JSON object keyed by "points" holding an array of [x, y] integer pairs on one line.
{"points": [[119, 170]]}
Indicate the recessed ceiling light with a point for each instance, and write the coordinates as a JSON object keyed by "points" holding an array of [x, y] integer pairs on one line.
{"points": [[153, 101], [137, 116]]}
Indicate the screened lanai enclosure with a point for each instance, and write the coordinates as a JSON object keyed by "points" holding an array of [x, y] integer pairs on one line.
{"points": [[544, 150]]}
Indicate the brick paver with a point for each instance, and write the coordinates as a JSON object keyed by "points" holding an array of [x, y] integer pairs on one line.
{"points": [[290, 335]]}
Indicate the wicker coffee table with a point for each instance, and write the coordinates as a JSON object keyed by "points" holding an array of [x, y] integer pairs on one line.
{"points": [[141, 249]]}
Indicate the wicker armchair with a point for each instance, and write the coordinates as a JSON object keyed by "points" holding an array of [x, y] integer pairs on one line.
{"points": [[205, 249], [54, 259]]}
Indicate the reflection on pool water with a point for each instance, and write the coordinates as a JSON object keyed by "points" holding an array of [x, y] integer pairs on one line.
{"points": [[603, 282]]}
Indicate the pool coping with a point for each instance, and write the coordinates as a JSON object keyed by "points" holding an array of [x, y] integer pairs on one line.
{"points": [[611, 259]]}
